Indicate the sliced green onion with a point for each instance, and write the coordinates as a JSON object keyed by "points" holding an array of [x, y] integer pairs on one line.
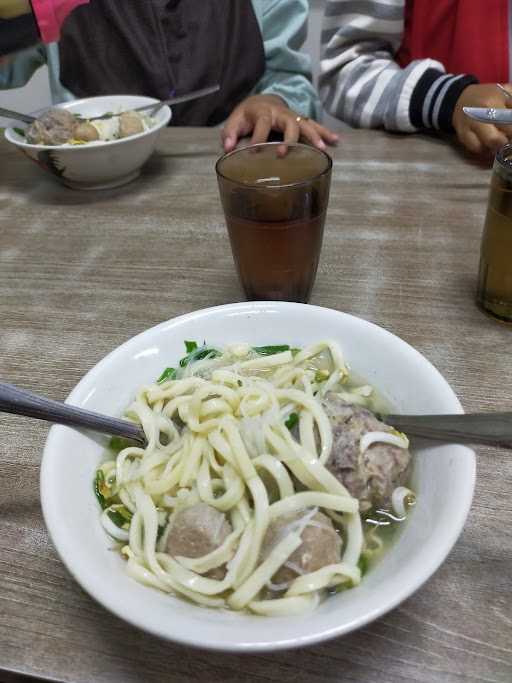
{"points": [[190, 346], [168, 373], [99, 486], [363, 564], [118, 518], [199, 354], [292, 420], [118, 443], [271, 350]]}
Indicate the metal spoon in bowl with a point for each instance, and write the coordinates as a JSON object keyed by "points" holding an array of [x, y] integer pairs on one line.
{"points": [[485, 428], [21, 402], [17, 116], [152, 108], [494, 429]]}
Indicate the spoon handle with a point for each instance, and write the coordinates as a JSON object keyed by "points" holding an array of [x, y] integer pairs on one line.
{"points": [[484, 428], [9, 114], [154, 107], [178, 99], [21, 402]]}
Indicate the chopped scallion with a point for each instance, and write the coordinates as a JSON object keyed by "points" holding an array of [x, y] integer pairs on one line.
{"points": [[199, 354], [118, 519], [292, 420], [118, 443], [271, 350], [363, 564], [101, 489], [168, 373]]}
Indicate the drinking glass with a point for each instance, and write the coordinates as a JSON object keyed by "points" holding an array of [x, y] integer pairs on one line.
{"points": [[494, 294], [275, 199]]}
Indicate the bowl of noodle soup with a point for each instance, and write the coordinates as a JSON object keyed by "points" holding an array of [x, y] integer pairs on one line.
{"points": [[239, 450]]}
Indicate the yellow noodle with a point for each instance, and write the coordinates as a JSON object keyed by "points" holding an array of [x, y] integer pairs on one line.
{"points": [[233, 408]]}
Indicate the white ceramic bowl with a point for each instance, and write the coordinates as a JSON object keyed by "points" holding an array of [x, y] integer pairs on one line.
{"points": [[443, 478], [99, 165]]}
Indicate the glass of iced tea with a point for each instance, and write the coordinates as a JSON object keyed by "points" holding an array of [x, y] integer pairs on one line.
{"points": [[275, 203], [494, 294]]}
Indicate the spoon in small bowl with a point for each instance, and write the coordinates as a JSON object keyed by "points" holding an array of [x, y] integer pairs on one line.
{"points": [[484, 428], [152, 108]]}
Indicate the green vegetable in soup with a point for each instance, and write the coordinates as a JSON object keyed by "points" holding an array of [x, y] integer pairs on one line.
{"points": [[198, 354], [119, 443], [101, 490], [292, 420], [271, 350], [168, 373], [363, 564], [120, 516]]}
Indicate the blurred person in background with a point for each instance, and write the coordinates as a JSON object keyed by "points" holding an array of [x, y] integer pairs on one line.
{"points": [[154, 48], [408, 65]]}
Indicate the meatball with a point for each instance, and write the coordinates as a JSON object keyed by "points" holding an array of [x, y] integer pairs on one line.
{"points": [[371, 476], [197, 531], [85, 132], [130, 123], [54, 127], [321, 545]]}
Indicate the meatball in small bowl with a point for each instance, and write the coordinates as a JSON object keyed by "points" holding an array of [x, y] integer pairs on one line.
{"points": [[86, 153]]}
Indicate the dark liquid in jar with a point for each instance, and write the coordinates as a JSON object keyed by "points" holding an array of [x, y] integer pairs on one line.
{"points": [[494, 294], [276, 260], [275, 210]]}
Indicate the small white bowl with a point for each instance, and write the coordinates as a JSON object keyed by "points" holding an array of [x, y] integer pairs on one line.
{"points": [[443, 477], [97, 165]]}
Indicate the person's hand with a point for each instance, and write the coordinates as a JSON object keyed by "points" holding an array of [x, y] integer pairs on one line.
{"points": [[260, 114], [475, 136]]}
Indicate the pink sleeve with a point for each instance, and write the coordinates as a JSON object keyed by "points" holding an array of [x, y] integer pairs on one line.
{"points": [[51, 14]]}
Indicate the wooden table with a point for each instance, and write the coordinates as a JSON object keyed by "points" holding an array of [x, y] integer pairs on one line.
{"points": [[77, 271]]}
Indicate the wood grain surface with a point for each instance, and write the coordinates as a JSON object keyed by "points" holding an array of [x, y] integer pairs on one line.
{"points": [[77, 271]]}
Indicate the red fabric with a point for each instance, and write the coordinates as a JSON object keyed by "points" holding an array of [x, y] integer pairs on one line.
{"points": [[51, 14], [466, 36]]}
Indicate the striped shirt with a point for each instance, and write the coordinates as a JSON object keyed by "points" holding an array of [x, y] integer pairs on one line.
{"points": [[362, 84]]}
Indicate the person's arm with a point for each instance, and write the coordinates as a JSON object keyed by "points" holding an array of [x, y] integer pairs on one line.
{"points": [[284, 98], [283, 25], [16, 70], [362, 84]]}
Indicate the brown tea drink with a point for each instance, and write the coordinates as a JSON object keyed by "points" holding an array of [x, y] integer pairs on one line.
{"points": [[494, 294], [275, 206]]}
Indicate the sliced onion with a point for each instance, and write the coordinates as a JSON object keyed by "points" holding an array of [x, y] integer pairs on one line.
{"points": [[401, 497], [112, 529], [400, 441]]}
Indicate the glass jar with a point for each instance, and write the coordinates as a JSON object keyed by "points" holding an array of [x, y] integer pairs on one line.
{"points": [[494, 294]]}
